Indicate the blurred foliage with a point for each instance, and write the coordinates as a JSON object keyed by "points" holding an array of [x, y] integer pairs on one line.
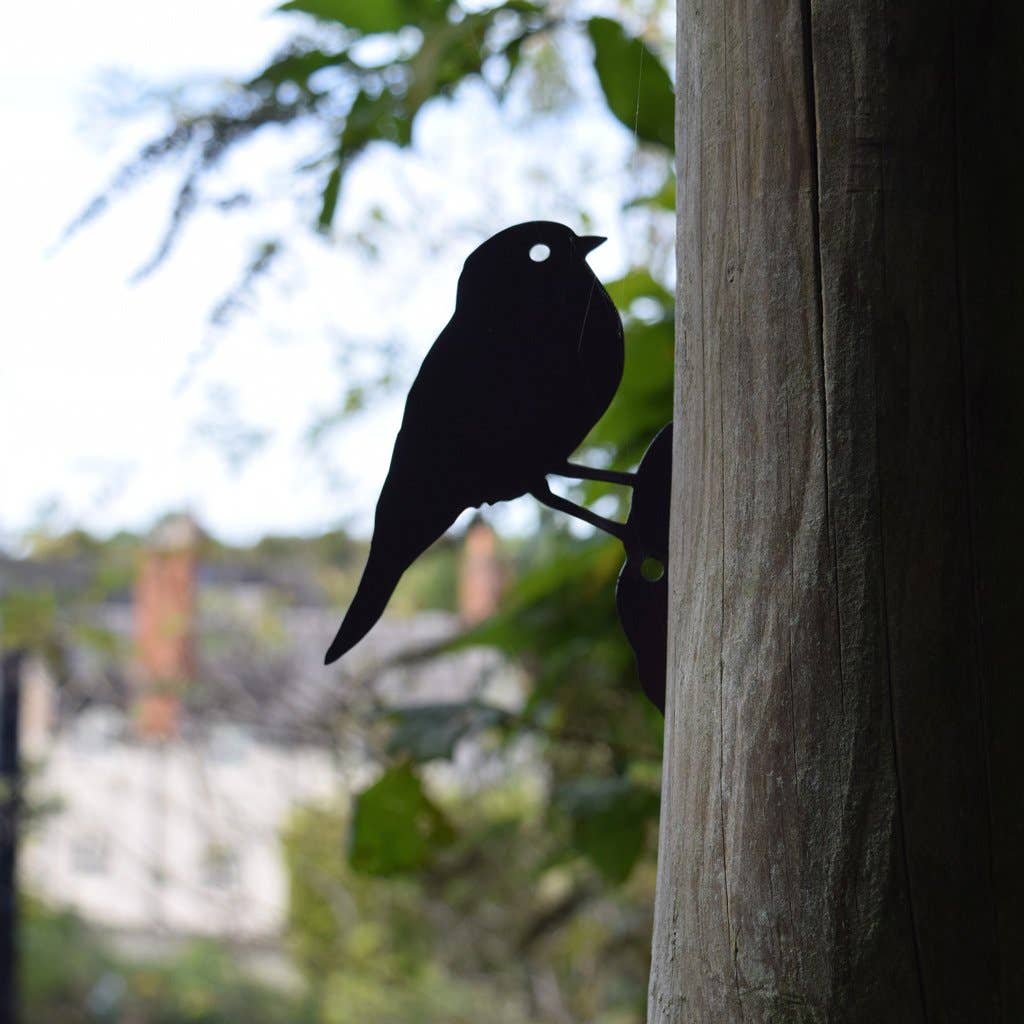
{"points": [[609, 818], [494, 926], [358, 74], [27, 619], [396, 827], [80, 570], [636, 85], [519, 903], [426, 732], [431, 582], [69, 975]]}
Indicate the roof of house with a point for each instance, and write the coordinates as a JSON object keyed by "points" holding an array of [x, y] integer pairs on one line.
{"points": [[259, 654]]}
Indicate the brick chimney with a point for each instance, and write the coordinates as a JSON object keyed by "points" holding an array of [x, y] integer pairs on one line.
{"points": [[165, 606], [481, 573]]}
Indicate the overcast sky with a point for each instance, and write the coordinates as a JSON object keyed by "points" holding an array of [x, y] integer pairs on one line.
{"points": [[106, 386]]}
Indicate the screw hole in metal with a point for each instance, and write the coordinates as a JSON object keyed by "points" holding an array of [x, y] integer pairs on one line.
{"points": [[539, 252], [652, 570]]}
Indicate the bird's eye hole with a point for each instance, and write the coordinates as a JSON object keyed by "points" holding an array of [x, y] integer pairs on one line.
{"points": [[539, 253]]}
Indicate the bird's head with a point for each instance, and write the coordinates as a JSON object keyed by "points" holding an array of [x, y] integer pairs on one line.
{"points": [[525, 259]]}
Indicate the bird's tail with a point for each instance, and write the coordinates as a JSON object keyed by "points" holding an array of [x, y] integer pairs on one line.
{"points": [[402, 532]]}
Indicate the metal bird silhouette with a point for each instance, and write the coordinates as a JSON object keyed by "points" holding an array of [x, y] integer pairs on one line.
{"points": [[527, 364]]}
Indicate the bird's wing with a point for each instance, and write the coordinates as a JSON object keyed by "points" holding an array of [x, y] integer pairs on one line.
{"points": [[456, 382], [495, 403], [463, 407]]}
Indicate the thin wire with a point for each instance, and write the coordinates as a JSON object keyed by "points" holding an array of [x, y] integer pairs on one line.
{"points": [[549, 499], [636, 114], [586, 313]]}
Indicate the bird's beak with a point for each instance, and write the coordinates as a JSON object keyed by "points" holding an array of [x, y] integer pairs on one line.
{"points": [[588, 243]]}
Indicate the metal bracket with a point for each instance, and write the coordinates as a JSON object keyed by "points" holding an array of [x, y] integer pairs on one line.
{"points": [[642, 591], [641, 594]]}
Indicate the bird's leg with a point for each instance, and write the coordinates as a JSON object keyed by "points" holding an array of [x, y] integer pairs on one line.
{"points": [[545, 496], [610, 476]]}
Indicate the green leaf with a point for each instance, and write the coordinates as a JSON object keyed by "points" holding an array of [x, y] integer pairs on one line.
{"points": [[429, 731], [554, 604], [637, 284], [396, 827], [635, 83], [28, 619], [449, 54], [609, 821], [329, 202], [643, 403], [366, 16], [297, 68], [663, 198], [379, 118]]}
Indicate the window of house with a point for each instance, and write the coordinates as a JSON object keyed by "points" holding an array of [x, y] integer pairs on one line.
{"points": [[220, 866], [228, 744], [90, 853]]}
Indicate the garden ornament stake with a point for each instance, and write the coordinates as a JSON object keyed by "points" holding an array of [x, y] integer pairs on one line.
{"points": [[526, 366]]}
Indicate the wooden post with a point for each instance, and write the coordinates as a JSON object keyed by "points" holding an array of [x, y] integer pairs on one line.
{"points": [[842, 827]]}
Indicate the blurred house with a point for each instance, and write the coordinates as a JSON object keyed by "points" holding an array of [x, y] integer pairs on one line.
{"points": [[175, 754]]}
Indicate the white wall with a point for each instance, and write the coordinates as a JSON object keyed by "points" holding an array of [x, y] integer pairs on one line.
{"points": [[171, 838]]}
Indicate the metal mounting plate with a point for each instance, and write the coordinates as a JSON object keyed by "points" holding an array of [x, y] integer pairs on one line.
{"points": [[641, 594]]}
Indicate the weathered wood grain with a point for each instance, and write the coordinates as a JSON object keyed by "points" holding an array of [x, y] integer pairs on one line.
{"points": [[827, 849]]}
